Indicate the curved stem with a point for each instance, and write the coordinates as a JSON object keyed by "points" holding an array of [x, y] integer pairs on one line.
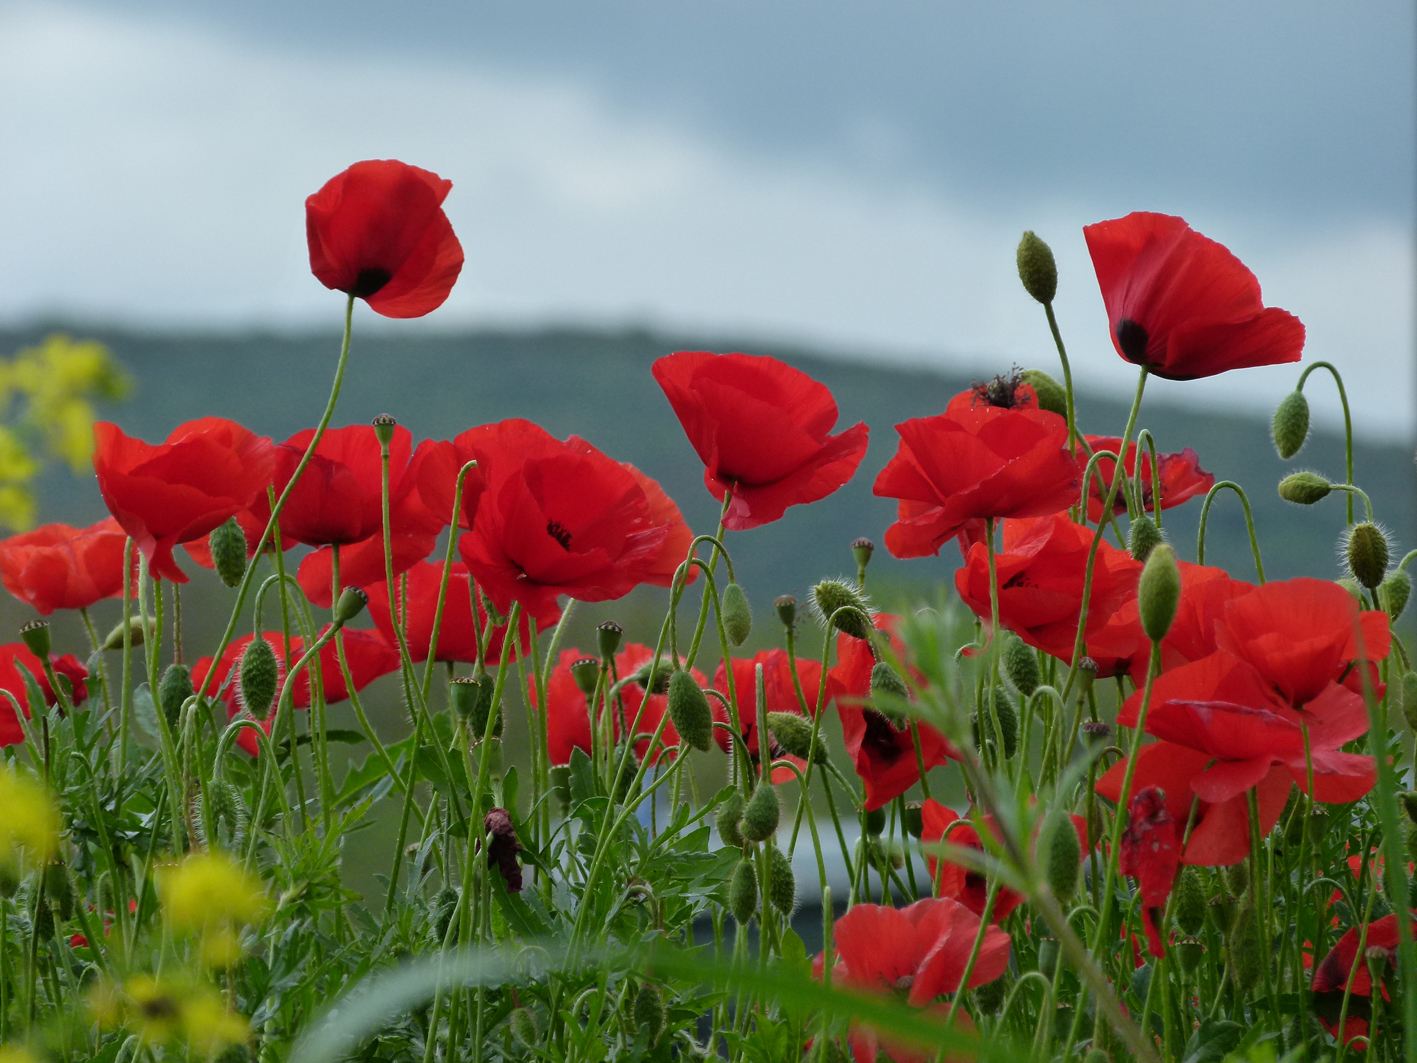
{"points": [[1249, 524], [1347, 419], [1067, 373]]}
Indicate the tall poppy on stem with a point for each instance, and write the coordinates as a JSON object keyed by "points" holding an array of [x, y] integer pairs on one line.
{"points": [[12, 680], [1180, 476], [59, 567]]}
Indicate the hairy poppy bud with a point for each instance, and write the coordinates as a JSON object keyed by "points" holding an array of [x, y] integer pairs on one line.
{"points": [[861, 550], [1190, 952], [1352, 586], [114, 639], [59, 889], [607, 639], [1366, 551], [1036, 268], [586, 673], [662, 667], [524, 1028], [352, 602], [258, 673], [1159, 592], [786, 607], [1058, 854], [743, 891], [44, 921], [1095, 733], [844, 607], [794, 734], [1143, 537], [174, 689], [471, 698], [649, 1013], [35, 635], [384, 426], [914, 819], [782, 883], [737, 615], [1021, 667], [1048, 956], [1396, 588], [689, 709], [760, 817], [1008, 723], [561, 786], [887, 683], [1190, 901], [1051, 396], [875, 821], [1245, 944], [1291, 424], [1304, 488], [730, 813], [1237, 878], [227, 543]]}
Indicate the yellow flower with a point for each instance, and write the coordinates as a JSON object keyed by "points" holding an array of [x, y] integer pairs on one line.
{"points": [[221, 947], [209, 1026], [153, 1010], [209, 890], [28, 819], [17, 1054]]}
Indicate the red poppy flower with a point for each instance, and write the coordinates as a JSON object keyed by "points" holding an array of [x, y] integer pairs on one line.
{"points": [[1041, 569], [1182, 305], [974, 461], [882, 752], [562, 518], [378, 231], [1182, 477], [14, 654], [59, 567], [1302, 634], [177, 491], [457, 635], [1151, 854], [762, 430], [1331, 978], [779, 692]]}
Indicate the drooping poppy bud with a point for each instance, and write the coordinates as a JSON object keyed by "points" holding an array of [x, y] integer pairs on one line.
{"points": [[1159, 592], [173, 691], [1058, 854], [1366, 550], [257, 678], [782, 884], [887, 683], [1143, 537], [1395, 589], [649, 1013], [743, 891], [689, 710], [586, 673], [1291, 424], [228, 546], [502, 848], [1304, 488], [760, 817], [737, 614], [786, 607], [730, 813], [1037, 268], [607, 639], [1021, 667], [844, 607], [794, 734], [114, 639], [1190, 902], [524, 1028], [35, 636]]}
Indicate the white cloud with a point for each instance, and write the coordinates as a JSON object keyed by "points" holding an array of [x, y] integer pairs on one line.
{"points": [[155, 174]]}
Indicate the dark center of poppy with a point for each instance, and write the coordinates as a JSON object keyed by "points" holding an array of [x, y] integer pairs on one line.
{"points": [[370, 281], [880, 737], [160, 1007], [560, 533], [1002, 391], [1132, 339]]}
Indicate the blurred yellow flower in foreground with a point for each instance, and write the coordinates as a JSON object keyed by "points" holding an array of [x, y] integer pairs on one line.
{"points": [[17, 1054], [207, 891], [29, 822], [168, 1012]]}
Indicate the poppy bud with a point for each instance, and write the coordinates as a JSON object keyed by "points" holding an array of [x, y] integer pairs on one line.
{"points": [[743, 891], [1058, 853], [989, 997], [471, 699], [782, 884], [1095, 733], [1291, 424], [1159, 592], [384, 426], [607, 639], [259, 672], [114, 639], [1409, 699], [1048, 956], [1087, 673], [561, 786], [914, 819], [444, 908], [36, 638], [1190, 901], [1352, 586], [352, 602], [649, 1013], [862, 549], [1008, 723], [1245, 944], [662, 668], [689, 709], [59, 889], [736, 613], [44, 921], [1051, 396], [1190, 952], [886, 683], [730, 813], [1304, 488], [1366, 550], [760, 817], [1143, 536], [794, 734], [524, 1028], [1237, 878], [1396, 588], [227, 544], [786, 607], [844, 607], [174, 689], [875, 821], [1021, 667], [1037, 268], [586, 673]]}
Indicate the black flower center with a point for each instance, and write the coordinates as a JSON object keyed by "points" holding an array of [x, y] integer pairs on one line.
{"points": [[1002, 391], [560, 533], [880, 737], [370, 281], [1132, 339]]}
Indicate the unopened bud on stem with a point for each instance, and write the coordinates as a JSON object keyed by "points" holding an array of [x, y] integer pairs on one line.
{"points": [[1037, 268], [1304, 488], [1159, 592], [1366, 550], [1291, 424]]}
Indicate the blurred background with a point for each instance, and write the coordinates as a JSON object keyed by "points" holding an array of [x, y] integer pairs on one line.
{"points": [[839, 184]]}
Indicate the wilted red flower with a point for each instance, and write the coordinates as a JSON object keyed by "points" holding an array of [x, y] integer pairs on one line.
{"points": [[1181, 304], [1041, 570], [179, 490], [761, 428], [1331, 978], [378, 231], [562, 518], [1151, 854], [14, 654], [882, 752], [1182, 477], [502, 848], [975, 461], [779, 692], [59, 567]]}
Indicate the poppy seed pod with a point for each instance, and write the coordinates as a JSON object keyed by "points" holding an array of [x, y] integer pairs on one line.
{"points": [[786, 607], [861, 550], [471, 698], [690, 711], [586, 673], [794, 734], [1366, 550], [1021, 667], [1189, 951], [1396, 588], [35, 636], [1051, 396], [1304, 488], [228, 546], [844, 607], [649, 1013], [607, 638], [914, 819], [737, 614], [1008, 723], [352, 602], [743, 891], [730, 813], [761, 815], [1037, 268], [174, 689], [1143, 537], [1245, 944], [384, 426], [1190, 902], [1159, 592], [1291, 424], [1095, 733], [1058, 854], [258, 673], [782, 884]]}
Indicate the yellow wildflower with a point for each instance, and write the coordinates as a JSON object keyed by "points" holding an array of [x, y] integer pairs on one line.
{"points": [[17, 1054], [209, 890], [28, 820], [221, 947], [152, 1010], [209, 1026]]}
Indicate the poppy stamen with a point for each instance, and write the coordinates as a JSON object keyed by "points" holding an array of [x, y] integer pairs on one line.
{"points": [[560, 533]]}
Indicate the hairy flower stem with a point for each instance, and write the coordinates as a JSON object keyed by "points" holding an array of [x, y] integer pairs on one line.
{"points": [[1347, 420], [1249, 524], [1067, 373]]}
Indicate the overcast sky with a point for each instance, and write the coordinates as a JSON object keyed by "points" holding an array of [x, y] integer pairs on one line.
{"points": [[853, 175]]}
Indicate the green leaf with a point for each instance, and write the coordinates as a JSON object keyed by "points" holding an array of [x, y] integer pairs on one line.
{"points": [[509, 791], [371, 772], [344, 737], [1213, 1041], [582, 777], [145, 711]]}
